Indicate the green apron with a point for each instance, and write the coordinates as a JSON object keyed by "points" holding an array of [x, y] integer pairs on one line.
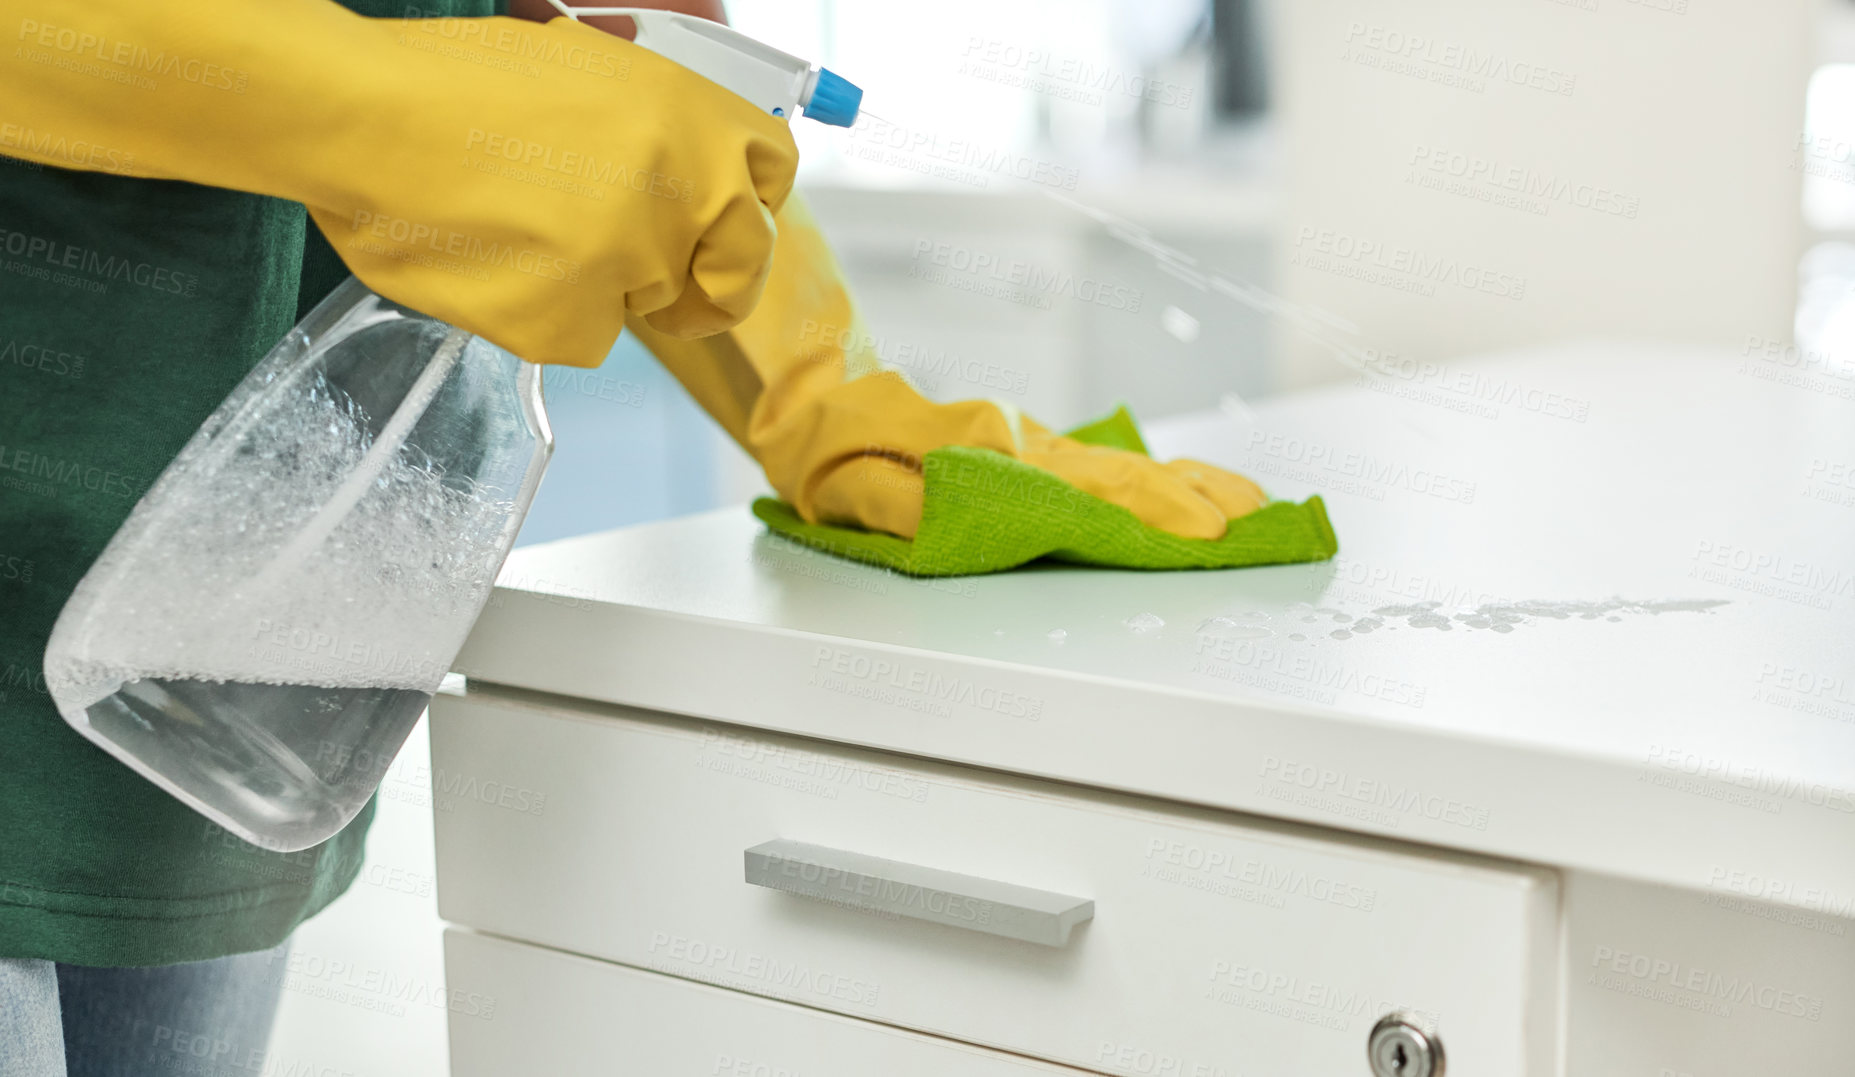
{"points": [[128, 310]]}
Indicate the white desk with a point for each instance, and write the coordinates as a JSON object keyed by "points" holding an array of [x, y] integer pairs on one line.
{"points": [[1653, 764]]}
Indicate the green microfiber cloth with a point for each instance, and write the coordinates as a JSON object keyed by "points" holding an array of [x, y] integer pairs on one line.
{"points": [[986, 512]]}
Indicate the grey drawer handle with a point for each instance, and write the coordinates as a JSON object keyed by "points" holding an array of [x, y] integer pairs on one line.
{"points": [[941, 897]]}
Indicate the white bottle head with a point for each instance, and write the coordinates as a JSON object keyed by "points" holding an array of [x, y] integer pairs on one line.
{"points": [[777, 82]]}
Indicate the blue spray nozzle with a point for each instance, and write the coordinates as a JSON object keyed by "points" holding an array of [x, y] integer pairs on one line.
{"points": [[835, 99]]}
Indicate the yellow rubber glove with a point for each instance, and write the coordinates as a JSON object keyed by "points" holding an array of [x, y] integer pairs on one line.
{"points": [[530, 183], [841, 439]]}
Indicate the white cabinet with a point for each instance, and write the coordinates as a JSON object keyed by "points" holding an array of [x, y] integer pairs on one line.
{"points": [[1587, 836]]}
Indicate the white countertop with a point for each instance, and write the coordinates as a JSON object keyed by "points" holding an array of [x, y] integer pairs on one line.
{"points": [[1649, 668]]}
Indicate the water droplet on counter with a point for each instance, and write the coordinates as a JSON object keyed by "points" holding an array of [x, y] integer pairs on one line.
{"points": [[1144, 622], [1057, 635], [1227, 628], [1298, 637], [1406, 611], [1340, 633]]}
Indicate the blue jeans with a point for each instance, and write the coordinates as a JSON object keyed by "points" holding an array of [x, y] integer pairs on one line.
{"points": [[201, 1019]]}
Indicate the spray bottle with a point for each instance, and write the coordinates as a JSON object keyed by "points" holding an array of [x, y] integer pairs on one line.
{"points": [[264, 630]]}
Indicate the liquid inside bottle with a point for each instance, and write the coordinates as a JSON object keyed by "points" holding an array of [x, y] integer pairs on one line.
{"points": [[292, 759], [264, 630]]}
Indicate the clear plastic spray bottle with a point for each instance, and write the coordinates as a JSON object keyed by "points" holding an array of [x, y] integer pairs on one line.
{"points": [[265, 629]]}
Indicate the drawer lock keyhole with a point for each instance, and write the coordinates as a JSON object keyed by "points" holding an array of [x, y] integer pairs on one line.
{"points": [[1402, 1046]]}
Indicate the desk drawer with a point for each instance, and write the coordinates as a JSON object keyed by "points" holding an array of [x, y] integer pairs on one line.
{"points": [[564, 1016], [1219, 945]]}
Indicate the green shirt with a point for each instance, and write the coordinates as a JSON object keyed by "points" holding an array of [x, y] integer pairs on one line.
{"points": [[128, 310]]}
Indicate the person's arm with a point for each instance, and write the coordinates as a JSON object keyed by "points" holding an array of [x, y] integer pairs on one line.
{"points": [[530, 183], [798, 385]]}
